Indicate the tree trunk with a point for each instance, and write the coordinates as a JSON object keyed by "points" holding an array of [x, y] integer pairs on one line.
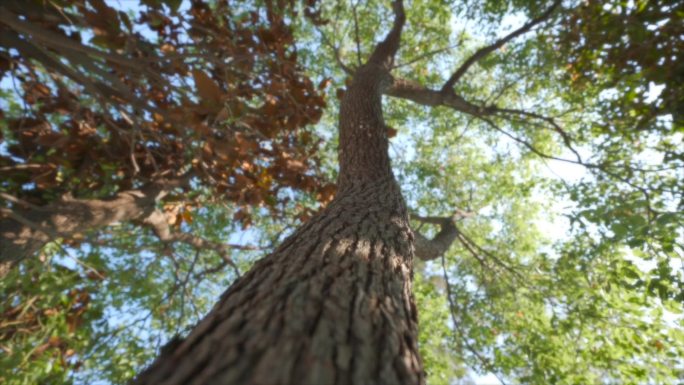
{"points": [[333, 303]]}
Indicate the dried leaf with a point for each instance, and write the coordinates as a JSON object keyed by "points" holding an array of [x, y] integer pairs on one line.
{"points": [[187, 216], [324, 83], [207, 89]]}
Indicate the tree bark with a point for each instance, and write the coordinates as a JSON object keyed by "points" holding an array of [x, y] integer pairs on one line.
{"points": [[333, 303]]}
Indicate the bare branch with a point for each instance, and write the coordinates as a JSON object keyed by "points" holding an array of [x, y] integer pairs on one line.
{"points": [[336, 52], [484, 51], [157, 221]]}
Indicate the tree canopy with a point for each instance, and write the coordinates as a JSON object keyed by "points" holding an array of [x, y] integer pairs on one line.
{"points": [[548, 134], [200, 97]]}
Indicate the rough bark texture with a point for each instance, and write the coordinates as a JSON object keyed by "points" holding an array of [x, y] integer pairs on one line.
{"points": [[333, 303]]}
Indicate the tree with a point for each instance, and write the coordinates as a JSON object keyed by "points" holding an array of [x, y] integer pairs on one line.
{"points": [[333, 302]]}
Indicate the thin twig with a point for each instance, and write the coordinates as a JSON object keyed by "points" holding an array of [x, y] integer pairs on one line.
{"points": [[483, 360]]}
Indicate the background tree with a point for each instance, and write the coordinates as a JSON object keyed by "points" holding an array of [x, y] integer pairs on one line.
{"points": [[509, 297]]}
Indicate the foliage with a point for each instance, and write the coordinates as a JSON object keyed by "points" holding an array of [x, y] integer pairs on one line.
{"points": [[107, 100], [48, 318], [139, 296], [630, 49]]}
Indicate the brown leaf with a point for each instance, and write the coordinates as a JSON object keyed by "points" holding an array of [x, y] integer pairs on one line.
{"points": [[294, 165], [207, 88], [54, 341], [326, 193], [324, 83], [167, 48], [187, 216]]}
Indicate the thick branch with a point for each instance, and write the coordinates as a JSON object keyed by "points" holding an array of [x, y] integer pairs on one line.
{"points": [[24, 231], [384, 52], [415, 92], [484, 51], [429, 249]]}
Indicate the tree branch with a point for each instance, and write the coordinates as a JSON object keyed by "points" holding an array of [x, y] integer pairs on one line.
{"points": [[417, 93], [356, 34], [564, 135], [475, 250], [429, 249], [17, 201], [591, 166], [426, 55], [24, 231], [457, 326], [383, 54], [336, 52], [484, 51], [157, 221]]}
